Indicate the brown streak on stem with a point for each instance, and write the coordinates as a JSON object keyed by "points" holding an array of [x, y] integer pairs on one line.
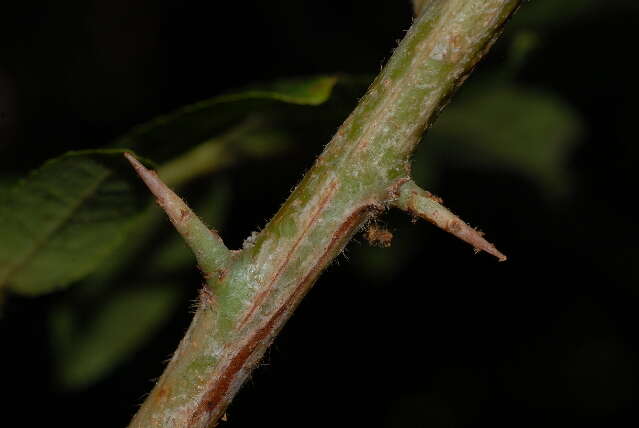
{"points": [[214, 402], [396, 105], [330, 192], [222, 383]]}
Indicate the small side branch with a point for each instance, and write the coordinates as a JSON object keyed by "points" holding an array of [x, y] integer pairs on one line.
{"points": [[212, 255], [424, 204]]}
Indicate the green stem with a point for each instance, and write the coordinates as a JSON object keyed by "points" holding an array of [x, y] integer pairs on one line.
{"points": [[418, 6], [360, 173]]}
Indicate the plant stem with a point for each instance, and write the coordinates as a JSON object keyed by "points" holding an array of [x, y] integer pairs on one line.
{"points": [[358, 175], [418, 5]]}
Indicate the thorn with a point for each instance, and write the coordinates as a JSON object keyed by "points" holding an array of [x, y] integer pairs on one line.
{"points": [[421, 203], [174, 207], [210, 252]]}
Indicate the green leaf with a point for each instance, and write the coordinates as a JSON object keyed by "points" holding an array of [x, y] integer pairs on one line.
{"points": [[502, 126], [541, 14], [6, 184], [66, 219], [522, 44], [88, 348], [168, 135], [208, 141], [59, 223], [304, 91]]}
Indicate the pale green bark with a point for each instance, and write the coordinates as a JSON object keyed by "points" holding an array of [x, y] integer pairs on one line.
{"points": [[418, 5], [359, 174]]}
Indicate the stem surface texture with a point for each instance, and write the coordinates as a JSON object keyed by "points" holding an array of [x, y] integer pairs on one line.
{"points": [[360, 173]]}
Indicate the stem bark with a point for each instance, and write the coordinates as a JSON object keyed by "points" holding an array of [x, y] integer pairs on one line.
{"points": [[358, 175]]}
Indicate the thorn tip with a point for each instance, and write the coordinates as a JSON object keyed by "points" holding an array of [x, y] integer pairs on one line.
{"points": [[421, 203], [208, 247]]}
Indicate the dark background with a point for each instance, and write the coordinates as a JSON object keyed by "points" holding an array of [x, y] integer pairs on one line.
{"points": [[435, 336]]}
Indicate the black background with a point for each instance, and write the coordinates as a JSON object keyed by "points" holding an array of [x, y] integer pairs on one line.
{"points": [[447, 339]]}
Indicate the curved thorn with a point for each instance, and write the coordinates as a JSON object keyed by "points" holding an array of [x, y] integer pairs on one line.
{"points": [[211, 253], [424, 204]]}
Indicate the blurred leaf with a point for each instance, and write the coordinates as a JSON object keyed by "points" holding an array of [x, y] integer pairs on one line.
{"points": [[305, 91], [246, 138], [6, 184], [250, 139], [208, 142], [168, 135], [522, 44], [86, 350], [583, 363], [547, 13], [59, 223], [422, 411], [497, 125], [263, 142]]}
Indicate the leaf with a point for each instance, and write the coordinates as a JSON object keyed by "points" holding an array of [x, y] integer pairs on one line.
{"points": [[541, 14], [6, 184], [66, 218], [522, 44], [206, 146], [59, 223], [168, 135], [528, 131], [87, 348], [171, 255]]}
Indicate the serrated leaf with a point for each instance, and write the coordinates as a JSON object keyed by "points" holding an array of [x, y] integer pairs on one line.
{"points": [[59, 223], [87, 349], [528, 131]]}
